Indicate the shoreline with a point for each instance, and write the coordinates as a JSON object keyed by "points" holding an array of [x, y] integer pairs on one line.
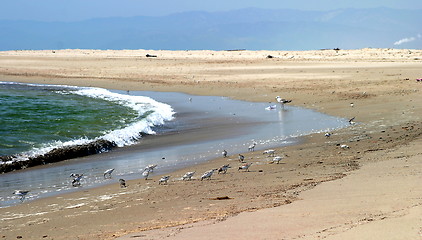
{"points": [[389, 113]]}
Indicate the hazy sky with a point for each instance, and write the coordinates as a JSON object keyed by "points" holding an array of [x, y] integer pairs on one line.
{"points": [[75, 10]]}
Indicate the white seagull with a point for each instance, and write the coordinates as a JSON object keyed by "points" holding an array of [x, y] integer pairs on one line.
{"points": [[163, 180], [208, 174], [21, 193], [224, 168], [245, 167], [108, 172], [188, 176], [282, 100], [270, 152]]}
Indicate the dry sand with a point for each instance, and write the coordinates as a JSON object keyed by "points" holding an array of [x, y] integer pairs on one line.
{"points": [[370, 191]]}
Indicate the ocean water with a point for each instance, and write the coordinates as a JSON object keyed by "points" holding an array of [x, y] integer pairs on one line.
{"points": [[35, 119], [186, 130]]}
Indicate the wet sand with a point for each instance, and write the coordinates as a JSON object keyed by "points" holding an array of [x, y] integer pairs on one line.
{"points": [[318, 190]]}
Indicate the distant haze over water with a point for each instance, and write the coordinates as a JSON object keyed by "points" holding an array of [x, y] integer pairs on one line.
{"points": [[251, 29]]}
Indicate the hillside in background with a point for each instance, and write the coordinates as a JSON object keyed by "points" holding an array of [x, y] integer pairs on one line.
{"points": [[252, 29]]}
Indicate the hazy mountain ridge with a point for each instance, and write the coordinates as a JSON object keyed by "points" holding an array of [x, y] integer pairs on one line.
{"points": [[250, 28]]}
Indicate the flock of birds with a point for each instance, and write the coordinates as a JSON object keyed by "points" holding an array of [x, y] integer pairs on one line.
{"points": [[76, 178]]}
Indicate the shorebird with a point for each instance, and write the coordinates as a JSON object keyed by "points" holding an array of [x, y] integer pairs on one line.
{"points": [[327, 134], [245, 167], [224, 153], [151, 167], [76, 179], [108, 172], [251, 147], [21, 193], [122, 183], [163, 180], [146, 173], [351, 104], [270, 152], [224, 168], [352, 120], [277, 159], [241, 158], [344, 146], [282, 100], [188, 176], [208, 174]]}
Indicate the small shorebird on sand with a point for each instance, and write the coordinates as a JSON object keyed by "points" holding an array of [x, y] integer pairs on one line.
{"points": [[208, 174], [146, 173], [277, 159], [241, 158], [108, 172], [163, 180], [224, 153], [151, 167], [352, 121], [327, 134], [122, 183], [21, 193], [270, 152], [245, 167], [224, 168], [251, 147], [188, 176]]}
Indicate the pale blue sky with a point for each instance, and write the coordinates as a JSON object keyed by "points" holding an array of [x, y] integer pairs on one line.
{"points": [[75, 10]]}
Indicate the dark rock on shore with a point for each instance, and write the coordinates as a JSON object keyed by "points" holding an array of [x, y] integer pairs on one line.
{"points": [[56, 155]]}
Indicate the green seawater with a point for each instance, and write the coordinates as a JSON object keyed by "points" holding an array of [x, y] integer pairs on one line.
{"points": [[36, 116]]}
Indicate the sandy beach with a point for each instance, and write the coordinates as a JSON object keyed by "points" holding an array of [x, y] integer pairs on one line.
{"points": [[370, 190]]}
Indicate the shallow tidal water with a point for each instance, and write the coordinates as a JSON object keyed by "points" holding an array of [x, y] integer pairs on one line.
{"points": [[203, 126]]}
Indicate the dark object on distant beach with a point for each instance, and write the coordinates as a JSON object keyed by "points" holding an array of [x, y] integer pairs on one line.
{"points": [[270, 56], [336, 49], [221, 198], [149, 55]]}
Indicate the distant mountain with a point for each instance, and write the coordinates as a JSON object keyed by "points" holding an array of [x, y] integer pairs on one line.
{"points": [[253, 29]]}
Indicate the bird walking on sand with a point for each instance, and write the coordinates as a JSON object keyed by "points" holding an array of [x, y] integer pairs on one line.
{"points": [[224, 168], [241, 158], [21, 193], [163, 180], [327, 134], [188, 176], [270, 152], [245, 167], [151, 167], [76, 179], [108, 172], [122, 183], [251, 147], [207, 174], [344, 146], [224, 153], [277, 159], [146, 173]]}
